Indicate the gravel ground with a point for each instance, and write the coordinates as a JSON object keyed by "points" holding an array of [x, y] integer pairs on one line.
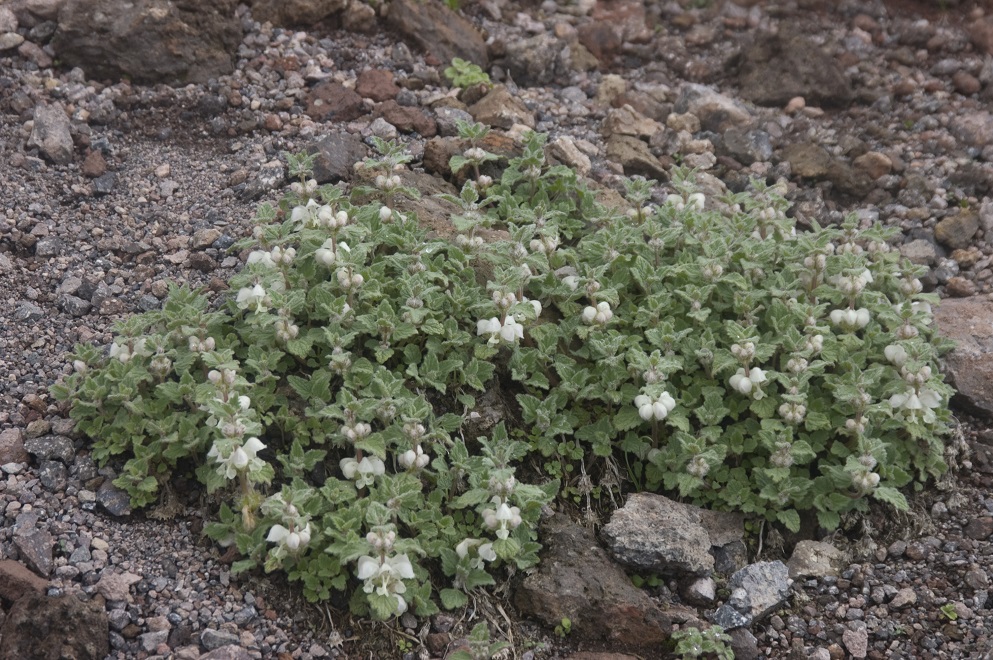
{"points": [[174, 175]]}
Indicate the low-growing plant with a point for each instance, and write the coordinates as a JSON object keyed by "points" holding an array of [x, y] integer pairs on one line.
{"points": [[702, 347], [480, 646], [463, 73], [712, 642], [564, 628]]}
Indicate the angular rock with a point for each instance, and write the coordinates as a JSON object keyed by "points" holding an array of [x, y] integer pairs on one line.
{"points": [[215, 639], [535, 61], [336, 155], [376, 84], [576, 580], [765, 587], [12, 447], [290, 13], [746, 146], [814, 559], [635, 157], [58, 627], [331, 101], [973, 129], [957, 231], [501, 109], [439, 31], [116, 501], [715, 111], [657, 535], [51, 448], [969, 366], [53, 475], [628, 121], [50, 133], [808, 160], [856, 642], [17, 580], [35, 548], [565, 150], [979, 529], [116, 586], [744, 644], [779, 67], [408, 119], [9, 40], [148, 41]]}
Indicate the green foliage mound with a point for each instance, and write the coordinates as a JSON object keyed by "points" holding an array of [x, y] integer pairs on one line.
{"points": [[702, 346]]}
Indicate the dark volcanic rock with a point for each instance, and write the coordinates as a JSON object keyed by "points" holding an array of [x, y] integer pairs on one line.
{"points": [[62, 627], [778, 67], [148, 41], [439, 31]]}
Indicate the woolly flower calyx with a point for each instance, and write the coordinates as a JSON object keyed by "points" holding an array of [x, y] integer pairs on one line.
{"points": [[850, 319], [599, 315], [749, 383], [657, 408], [414, 458]]}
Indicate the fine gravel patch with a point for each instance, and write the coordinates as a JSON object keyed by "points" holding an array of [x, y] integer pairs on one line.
{"points": [[112, 191]]}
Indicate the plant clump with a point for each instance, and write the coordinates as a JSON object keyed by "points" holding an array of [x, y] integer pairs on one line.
{"points": [[702, 346]]}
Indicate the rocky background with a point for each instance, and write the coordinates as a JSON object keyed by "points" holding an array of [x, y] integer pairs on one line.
{"points": [[137, 138]]}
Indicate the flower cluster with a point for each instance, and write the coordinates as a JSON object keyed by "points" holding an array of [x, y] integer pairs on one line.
{"points": [[599, 315], [654, 408], [509, 331], [749, 381]]}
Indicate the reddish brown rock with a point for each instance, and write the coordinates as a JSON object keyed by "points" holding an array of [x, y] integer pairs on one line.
{"points": [[969, 367], [376, 84], [331, 101], [94, 165], [408, 119], [12, 447], [16, 580], [965, 83]]}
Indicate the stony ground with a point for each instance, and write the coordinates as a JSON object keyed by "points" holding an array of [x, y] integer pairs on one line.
{"points": [[156, 182]]}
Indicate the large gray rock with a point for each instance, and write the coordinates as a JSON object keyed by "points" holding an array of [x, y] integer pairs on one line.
{"points": [[715, 111], [969, 367], [436, 29], [50, 133], [336, 155], [501, 109], [815, 559], [577, 580], [149, 41], [756, 591], [655, 534], [778, 67], [59, 627]]}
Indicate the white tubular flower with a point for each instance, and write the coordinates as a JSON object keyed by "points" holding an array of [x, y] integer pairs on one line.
{"points": [[293, 541], [244, 402], [414, 458], [306, 216], [599, 315], [511, 330], [696, 200], [491, 327], [676, 200], [484, 552], [913, 400], [385, 576], [363, 472], [252, 297], [865, 482], [261, 257], [654, 409], [385, 214], [121, 352], [749, 384], [503, 519], [571, 281], [242, 458]]}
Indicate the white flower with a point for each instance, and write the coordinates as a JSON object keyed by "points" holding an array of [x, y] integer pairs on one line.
{"points": [[484, 552], [598, 315], [243, 457], [503, 519], [261, 257], [363, 472], [571, 281], [896, 354], [657, 408], [696, 199], [850, 319], [326, 254], [385, 214], [748, 383], [415, 458], [252, 297], [308, 215], [244, 402], [293, 541], [914, 400], [509, 331], [385, 576]]}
